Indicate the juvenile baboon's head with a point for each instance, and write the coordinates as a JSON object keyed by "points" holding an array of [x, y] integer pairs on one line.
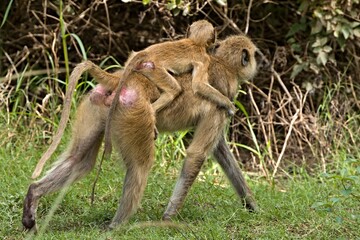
{"points": [[239, 53], [202, 32]]}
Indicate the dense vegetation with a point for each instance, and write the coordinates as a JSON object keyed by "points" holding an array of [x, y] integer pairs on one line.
{"points": [[298, 119]]}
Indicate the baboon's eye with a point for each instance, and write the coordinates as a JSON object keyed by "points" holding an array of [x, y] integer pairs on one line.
{"points": [[245, 57]]}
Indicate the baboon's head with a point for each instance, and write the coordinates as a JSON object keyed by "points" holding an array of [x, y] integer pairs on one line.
{"points": [[239, 53], [202, 32]]}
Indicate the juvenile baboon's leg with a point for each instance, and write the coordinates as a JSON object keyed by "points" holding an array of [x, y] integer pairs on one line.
{"points": [[164, 81], [109, 80], [74, 163], [134, 139], [228, 163], [201, 86], [206, 136]]}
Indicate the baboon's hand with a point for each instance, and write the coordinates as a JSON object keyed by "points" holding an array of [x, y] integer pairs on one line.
{"points": [[231, 111]]}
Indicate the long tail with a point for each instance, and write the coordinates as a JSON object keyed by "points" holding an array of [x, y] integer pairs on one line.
{"points": [[129, 68], [102, 76]]}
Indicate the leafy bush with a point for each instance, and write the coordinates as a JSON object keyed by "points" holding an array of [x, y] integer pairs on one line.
{"points": [[334, 28]]}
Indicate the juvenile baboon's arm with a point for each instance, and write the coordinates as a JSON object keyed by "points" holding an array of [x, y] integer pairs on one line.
{"points": [[201, 86]]}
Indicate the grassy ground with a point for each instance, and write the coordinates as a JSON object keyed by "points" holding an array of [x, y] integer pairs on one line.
{"points": [[211, 211]]}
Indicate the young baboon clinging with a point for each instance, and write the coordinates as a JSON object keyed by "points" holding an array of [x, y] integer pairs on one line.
{"points": [[133, 136], [156, 61]]}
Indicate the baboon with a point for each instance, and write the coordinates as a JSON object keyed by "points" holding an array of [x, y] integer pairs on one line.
{"points": [[176, 57], [153, 62], [133, 136]]}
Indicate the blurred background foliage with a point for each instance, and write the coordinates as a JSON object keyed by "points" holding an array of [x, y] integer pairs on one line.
{"points": [[298, 114]]}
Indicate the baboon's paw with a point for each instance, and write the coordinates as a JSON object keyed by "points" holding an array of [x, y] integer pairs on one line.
{"points": [[28, 219]]}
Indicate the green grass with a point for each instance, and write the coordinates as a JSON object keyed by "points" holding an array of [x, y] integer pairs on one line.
{"points": [[211, 211]]}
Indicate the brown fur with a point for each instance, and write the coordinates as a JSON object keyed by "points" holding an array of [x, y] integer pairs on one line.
{"points": [[174, 56], [177, 57], [133, 135]]}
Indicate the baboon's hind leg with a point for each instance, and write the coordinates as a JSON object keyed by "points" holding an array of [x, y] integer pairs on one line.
{"points": [[134, 139], [74, 163]]}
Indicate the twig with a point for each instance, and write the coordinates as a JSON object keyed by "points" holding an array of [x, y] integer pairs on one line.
{"points": [[260, 121], [285, 142], [92, 198], [248, 17]]}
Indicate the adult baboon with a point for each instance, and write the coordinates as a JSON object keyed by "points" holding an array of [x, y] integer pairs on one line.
{"points": [[132, 132]]}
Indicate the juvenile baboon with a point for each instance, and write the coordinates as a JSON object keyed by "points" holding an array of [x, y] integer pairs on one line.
{"points": [[133, 136], [181, 56]]}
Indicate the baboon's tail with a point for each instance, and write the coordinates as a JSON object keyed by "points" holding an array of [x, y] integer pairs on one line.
{"points": [[135, 62], [74, 77]]}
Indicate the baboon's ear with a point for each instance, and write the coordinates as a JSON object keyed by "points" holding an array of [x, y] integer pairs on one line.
{"points": [[212, 48], [187, 33], [213, 41]]}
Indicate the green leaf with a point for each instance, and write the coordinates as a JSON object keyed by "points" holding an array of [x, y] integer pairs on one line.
{"points": [[334, 200], [222, 3], [339, 220], [318, 204], [327, 49], [146, 2], [322, 58], [318, 14], [186, 10], [354, 24], [171, 5], [356, 32], [342, 43], [295, 28], [6, 13], [317, 27], [296, 47], [176, 11], [320, 42], [345, 31], [315, 68], [241, 107], [317, 50], [297, 69], [81, 45], [346, 192]]}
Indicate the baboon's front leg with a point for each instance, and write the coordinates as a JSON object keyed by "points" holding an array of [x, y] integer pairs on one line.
{"points": [[205, 139], [74, 163], [228, 163]]}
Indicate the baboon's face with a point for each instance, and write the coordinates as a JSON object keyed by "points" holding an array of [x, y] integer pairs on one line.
{"points": [[239, 52]]}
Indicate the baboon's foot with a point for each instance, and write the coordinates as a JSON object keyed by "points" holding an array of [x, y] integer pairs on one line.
{"points": [[28, 219], [170, 211], [167, 217], [113, 225], [250, 204]]}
